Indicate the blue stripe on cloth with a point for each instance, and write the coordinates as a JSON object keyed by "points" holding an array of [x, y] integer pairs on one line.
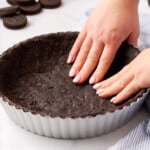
{"points": [[147, 102], [137, 139]]}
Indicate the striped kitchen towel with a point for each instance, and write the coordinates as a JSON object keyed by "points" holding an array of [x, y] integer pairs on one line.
{"points": [[138, 138]]}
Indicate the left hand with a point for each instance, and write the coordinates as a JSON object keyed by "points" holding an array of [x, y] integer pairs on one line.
{"points": [[129, 80]]}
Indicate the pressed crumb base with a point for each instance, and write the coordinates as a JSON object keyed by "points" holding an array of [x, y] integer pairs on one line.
{"points": [[40, 83]]}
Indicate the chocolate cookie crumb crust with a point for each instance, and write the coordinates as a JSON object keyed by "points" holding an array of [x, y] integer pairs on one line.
{"points": [[38, 81]]}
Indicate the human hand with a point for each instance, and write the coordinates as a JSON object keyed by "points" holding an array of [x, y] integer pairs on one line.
{"points": [[129, 80], [111, 23]]}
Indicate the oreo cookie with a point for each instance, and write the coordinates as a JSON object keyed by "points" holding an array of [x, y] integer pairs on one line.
{"points": [[12, 2], [15, 21], [7, 11], [50, 3], [31, 9], [25, 2]]}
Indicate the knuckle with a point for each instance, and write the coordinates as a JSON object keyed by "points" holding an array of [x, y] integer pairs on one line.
{"points": [[139, 82], [135, 85], [97, 36], [91, 58], [105, 62], [112, 36], [78, 65], [84, 48], [121, 84]]}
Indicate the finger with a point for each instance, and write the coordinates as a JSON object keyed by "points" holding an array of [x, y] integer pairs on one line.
{"points": [[82, 55], [76, 47], [90, 63], [132, 39], [127, 92], [112, 79], [115, 87], [107, 82], [106, 59]]}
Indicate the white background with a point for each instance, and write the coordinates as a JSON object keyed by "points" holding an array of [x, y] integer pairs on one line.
{"points": [[66, 18]]}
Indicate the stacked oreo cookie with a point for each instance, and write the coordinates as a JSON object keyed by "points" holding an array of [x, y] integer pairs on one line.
{"points": [[14, 17]]}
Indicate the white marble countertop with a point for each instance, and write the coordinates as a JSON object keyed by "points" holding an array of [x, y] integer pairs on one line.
{"points": [[65, 18]]}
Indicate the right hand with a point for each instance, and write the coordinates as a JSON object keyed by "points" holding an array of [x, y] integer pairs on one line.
{"points": [[111, 23]]}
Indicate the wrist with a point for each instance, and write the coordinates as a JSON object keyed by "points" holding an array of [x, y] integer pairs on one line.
{"points": [[133, 4], [128, 3]]}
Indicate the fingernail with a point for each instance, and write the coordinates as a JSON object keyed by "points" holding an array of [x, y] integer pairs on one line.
{"points": [[72, 72], [92, 80], [77, 79], [100, 91], [70, 59], [98, 85], [113, 99]]}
